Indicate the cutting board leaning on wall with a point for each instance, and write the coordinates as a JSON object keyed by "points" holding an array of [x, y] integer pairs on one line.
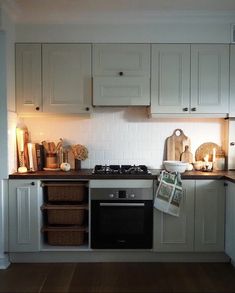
{"points": [[176, 144]]}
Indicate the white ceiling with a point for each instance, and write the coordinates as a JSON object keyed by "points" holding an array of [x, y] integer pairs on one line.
{"points": [[68, 11]]}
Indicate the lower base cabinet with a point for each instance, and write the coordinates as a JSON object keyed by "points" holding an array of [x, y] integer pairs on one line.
{"points": [[230, 221], [209, 215], [24, 215], [200, 225], [176, 233]]}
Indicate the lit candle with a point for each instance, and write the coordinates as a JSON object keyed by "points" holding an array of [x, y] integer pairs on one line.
{"points": [[206, 158], [213, 157]]}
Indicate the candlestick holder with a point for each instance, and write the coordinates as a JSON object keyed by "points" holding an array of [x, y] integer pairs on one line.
{"points": [[22, 168]]}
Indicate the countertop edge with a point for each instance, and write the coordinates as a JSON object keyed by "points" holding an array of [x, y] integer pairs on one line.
{"points": [[86, 174]]}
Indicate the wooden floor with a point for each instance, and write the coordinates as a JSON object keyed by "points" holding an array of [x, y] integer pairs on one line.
{"points": [[118, 278]]}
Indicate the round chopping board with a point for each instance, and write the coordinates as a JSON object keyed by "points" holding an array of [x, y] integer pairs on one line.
{"points": [[206, 149]]}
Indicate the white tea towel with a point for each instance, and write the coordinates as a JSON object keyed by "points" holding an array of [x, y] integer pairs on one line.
{"points": [[169, 193]]}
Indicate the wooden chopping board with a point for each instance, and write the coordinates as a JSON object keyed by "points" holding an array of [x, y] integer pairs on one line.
{"points": [[206, 149], [175, 145]]}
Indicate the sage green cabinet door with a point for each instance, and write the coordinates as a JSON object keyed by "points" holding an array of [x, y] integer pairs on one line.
{"points": [[232, 81], [24, 215], [28, 78], [176, 233], [170, 78], [130, 59], [209, 215], [121, 74], [209, 78], [230, 221], [66, 78]]}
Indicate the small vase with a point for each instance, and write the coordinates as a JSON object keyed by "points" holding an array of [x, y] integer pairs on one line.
{"points": [[77, 165]]}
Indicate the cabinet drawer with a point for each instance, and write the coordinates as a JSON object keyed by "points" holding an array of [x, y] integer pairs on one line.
{"points": [[131, 59], [121, 91], [65, 214], [65, 235], [74, 192]]}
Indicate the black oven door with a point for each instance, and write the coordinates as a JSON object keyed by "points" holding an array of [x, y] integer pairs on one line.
{"points": [[121, 224]]}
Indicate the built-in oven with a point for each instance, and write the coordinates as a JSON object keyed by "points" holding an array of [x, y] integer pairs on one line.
{"points": [[121, 214]]}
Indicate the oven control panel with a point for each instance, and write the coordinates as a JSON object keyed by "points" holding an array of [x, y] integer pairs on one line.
{"points": [[122, 194]]}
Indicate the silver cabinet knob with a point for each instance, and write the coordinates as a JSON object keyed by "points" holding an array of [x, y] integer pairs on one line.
{"points": [[111, 195], [132, 195]]}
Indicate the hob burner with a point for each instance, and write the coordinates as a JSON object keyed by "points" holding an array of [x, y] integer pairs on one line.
{"points": [[123, 169]]}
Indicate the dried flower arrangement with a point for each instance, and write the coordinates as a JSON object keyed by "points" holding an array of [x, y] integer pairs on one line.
{"points": [[79, 151]]}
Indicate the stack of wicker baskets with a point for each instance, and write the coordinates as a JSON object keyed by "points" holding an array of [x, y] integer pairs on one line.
{"points": [[65, 212]]}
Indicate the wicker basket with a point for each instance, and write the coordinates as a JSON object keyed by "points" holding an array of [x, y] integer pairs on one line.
{"points": [[65, 235], [65, 214], [66, 191]]}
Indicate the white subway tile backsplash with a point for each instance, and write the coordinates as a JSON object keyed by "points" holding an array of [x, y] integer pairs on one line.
{"points": [[123, 135]]}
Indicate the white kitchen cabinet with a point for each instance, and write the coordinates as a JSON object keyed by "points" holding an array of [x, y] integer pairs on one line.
{"points": [[53, 78], [230, 221], [24, 215], [209, 215], [66, 78], [200, 225], [232, 81], [210, 78], [190, 86], [170, 78], [176, 233], [28, 78], [121, 74]]}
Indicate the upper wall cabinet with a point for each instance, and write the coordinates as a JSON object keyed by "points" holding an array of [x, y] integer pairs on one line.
{"points": [[170, 77], [121, 75], [232, 81], [28, 78], [63, 85], [66, 78], [210, 78], [172, 90]]}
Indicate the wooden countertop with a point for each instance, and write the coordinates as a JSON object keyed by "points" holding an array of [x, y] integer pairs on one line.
{"points": [[86, 174]]}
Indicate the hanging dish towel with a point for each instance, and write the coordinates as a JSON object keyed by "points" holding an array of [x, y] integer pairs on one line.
{"points": [[169, 193]]}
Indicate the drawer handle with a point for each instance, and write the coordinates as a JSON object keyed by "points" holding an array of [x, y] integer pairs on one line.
{"points": [[32, 183], [121, 73], [194, 109], [37, 108], [185, 109]]}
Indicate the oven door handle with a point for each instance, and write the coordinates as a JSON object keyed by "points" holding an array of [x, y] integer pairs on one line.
{"points": [[120, 204]]}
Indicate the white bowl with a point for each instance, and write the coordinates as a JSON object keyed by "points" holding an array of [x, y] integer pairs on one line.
{"points": [[175, 166]]}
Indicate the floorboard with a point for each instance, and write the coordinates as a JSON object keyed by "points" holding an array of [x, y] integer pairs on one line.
{"points": [[118, 278]]}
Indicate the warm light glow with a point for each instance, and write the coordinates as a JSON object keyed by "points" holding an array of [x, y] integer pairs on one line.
{"points": [[20, 139], [213, 157], [30, 152]]}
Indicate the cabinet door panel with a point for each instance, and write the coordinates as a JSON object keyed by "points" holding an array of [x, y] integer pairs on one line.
{"points": [[28, 78], [170, 78], [232, 81], [209, 215], [24, 228], [66, 78], [210, 78], [113, 91], [131, 59], [176, 233], [230, 221]]}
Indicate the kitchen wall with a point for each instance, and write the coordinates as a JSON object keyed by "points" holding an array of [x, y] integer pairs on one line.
{"points": [[123, 135], [149, 27]]}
